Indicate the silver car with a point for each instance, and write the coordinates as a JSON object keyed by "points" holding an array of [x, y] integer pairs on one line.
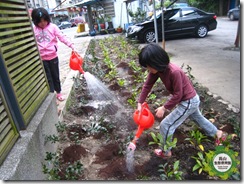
{"points": [[64, 24]]}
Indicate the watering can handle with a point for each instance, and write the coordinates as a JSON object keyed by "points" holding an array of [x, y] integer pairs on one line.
{"points": [[76, 53], [144, 105]]}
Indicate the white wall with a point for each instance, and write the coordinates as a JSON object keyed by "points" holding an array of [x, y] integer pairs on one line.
{"points": [[121, 13]]}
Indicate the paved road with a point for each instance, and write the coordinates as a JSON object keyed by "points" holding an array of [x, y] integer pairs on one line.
{"points": [[213, 63], [214, 60]]}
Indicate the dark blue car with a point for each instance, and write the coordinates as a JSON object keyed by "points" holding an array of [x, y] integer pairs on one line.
{"points": [[234, 13]]}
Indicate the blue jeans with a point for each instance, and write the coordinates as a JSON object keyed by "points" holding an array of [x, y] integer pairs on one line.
{"points": [[185, 109]]}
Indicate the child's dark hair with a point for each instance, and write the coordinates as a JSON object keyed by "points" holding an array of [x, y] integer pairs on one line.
{"points": [[154, 56], [39, 13]]}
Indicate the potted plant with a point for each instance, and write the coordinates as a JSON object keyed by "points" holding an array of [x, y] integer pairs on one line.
{"points": [[108, 19], [101, 22], [119, 29]]}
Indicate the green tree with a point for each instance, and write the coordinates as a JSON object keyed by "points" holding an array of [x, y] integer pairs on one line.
{"points": [[206, 5]]}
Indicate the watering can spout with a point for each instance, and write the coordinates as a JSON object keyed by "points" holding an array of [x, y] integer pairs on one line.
{"points": [[81, 70]]}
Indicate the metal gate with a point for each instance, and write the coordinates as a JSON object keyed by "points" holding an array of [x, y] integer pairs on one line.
{"points": [[23, 81]]}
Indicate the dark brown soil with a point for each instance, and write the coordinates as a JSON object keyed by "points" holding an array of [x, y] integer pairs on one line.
{"points": [[103, 151]]}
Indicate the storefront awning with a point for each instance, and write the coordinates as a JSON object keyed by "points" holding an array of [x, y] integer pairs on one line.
{"points": [[87, 2]]}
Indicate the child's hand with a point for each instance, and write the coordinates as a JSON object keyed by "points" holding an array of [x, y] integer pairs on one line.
{"points": [[139, 107], [160, 112]]}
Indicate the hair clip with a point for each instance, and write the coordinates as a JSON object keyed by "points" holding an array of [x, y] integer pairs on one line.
{"points": [[40, 14]]}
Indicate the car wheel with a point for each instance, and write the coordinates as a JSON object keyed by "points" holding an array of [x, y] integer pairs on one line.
{"points": [[149, 36], [232, 16], [202, 31]]}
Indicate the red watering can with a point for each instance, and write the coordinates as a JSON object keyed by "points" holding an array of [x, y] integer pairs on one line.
{"points": [[76, 61], [143, 119]]}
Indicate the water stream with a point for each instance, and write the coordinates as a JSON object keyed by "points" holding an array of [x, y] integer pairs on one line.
{"points": [[101, 95], [130, 160]]}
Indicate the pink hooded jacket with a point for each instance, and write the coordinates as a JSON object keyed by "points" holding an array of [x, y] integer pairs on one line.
{"points": [[47, 41]]}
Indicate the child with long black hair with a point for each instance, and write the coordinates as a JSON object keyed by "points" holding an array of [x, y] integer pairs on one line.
{"points": [[47, 34], [184, 101]]}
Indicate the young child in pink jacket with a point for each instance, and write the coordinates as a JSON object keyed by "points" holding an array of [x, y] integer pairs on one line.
{"points": [[47, 34]]}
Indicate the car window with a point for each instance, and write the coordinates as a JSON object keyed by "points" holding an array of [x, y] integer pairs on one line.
{"points": [[171, 14], [187, 13]]}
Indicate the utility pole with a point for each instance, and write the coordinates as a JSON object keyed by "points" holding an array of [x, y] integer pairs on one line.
{"points": [[155, 22], [162, 16], [237, 40]]}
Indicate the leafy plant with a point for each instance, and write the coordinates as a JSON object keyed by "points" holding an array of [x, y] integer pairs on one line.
{"points": [[111, 74], [152, 97], [96, 128], [73, 171], [53, 168], [196, 138], [200, 163], [137, 16], [237, 129], [121, 82], [158, 139], [132, 100], [52, 138], [169, 173], [74, 136], [61, 127], [53, 162]]}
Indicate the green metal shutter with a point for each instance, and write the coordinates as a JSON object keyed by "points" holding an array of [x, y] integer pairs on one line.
{"points": [[8, 132], [21, 57]]}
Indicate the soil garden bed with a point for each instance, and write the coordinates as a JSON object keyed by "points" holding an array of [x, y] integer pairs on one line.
{"points": [[97, 128]]}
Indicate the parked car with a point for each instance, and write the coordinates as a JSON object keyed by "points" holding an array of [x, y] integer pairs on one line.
{"points": [[64, 24], [76, 20], [177, 21], [234, 13]]}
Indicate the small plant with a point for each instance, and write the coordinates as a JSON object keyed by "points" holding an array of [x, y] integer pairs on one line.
{"points": [[169, 173], [188, 73], [237, 129], [121, 82], [111, 74], [158, 139], [132, 100], [73, 171], [61, 127], [74, 136], [137, 16], [196, 138], [54, 169], [143, 177], [200, 163], [52, 160], [152, 97], [96, 128], [52, 138]]}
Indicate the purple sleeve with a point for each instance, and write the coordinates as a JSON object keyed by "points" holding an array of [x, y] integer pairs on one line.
{"points": [[177, 83], [151, 79]]}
